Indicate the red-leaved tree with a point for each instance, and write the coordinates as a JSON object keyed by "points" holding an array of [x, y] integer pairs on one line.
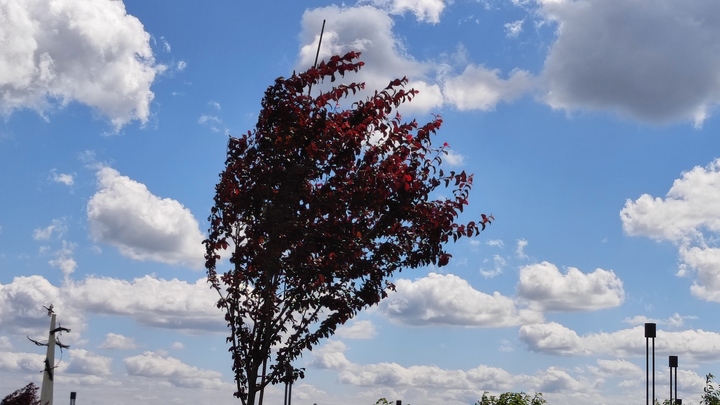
{"points": [[24, 396], [318, 207]]}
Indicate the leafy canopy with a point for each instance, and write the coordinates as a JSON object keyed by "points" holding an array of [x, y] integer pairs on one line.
{"points": [[318, 206], [711, 394], [512, 398], [24, 396]]}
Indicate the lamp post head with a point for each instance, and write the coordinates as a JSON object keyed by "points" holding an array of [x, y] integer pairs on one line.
{"points": [[673, 361], [650, 330]]}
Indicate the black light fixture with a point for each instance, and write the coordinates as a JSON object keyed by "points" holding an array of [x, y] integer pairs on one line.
{"points": [[650, 332], [673, 362], [73, 395]]}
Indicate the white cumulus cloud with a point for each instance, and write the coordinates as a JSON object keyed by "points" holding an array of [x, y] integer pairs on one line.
{"points": [[424, 10], [553, 338], [546, 287], [125, 214], [647, 59], [21, 362], [688, 216], [357, 330], [154, 365], [117, 341], [513, 29], [172, 304], [450, 300], [85, 362], [64, 178], [22, 312], [434, 384], [57, 227], [479, 88], [91, 52], [369, 29]]}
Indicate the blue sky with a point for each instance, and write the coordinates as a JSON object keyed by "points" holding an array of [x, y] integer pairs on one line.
{"points": [[590, 125]]}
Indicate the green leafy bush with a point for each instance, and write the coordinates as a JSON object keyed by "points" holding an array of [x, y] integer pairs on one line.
{"points": [[512, 398]]}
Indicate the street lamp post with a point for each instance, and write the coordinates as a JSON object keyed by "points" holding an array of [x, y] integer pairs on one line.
{"points": [[650, 332], [673, 361]]}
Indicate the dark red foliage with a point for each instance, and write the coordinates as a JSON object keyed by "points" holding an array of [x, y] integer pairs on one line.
{"points": [[24, 396], [317, 216]]}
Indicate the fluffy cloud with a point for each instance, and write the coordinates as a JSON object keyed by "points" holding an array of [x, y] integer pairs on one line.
{"points": [[449, 300], [499, 264], [357, 330], [618, 367], [688, 216], [369, 30], [513, 29], [143, 226], [453, 158], [520, 250], [555, 380], [172, 304], [85, 362], [151, 301], [479, 88], [640, 59], [647, 59], [63, 178], [22, 312], [331, 356], [690, 206], [116, 341], [73, 50], [674, 321], [5, 343], [460, 385], [22, 362], [706, 261], [57, 227], [554, 338], [551, 338], [64, 259], [547, 288], [424, 10], [176, 372]]}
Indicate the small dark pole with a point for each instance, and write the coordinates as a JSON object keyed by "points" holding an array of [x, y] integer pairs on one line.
{"points": [[650, 332], [286, 390], [72, 397], [287, 382], [317, 54], [673, 361], [290, 393]]}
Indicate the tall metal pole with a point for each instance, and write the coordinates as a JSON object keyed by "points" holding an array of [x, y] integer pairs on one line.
{"points": [[650, 332], [671, 392], [317, 54], [286, 393], [653, 370], [290, 393], [676, 383], [673, 361], [46, 393]]}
